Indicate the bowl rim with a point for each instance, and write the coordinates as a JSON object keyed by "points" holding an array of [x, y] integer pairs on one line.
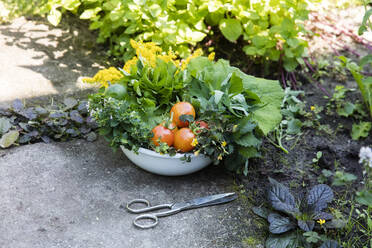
{"points": [[155, 154]]}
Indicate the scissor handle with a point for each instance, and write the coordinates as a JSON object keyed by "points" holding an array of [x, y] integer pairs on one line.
{"points": [[146, 216], [147, 208]]}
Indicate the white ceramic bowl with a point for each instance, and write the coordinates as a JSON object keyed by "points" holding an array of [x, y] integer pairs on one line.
{"points": [[166, 165]]}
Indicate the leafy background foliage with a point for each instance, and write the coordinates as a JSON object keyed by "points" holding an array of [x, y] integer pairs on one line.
{"points": [[269, 29]]}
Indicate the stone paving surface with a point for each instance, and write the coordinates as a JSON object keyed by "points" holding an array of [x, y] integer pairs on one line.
{"points": [[39, 60], [69, 194]]}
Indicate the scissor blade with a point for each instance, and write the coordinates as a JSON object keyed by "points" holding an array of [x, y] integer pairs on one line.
{"points": [[205, 201]]}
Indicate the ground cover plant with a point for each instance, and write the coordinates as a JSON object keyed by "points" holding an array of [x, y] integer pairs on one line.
{"points": [[22, 124], [268, 30]]}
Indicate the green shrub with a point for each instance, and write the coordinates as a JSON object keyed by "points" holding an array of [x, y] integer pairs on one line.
{"points": [[268, 29]]}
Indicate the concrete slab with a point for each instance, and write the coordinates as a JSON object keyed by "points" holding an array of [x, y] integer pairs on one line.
{"points": [[38, 59], [69, 194]]}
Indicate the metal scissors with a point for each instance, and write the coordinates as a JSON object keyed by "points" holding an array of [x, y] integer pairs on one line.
{"points": [[174, 207]]}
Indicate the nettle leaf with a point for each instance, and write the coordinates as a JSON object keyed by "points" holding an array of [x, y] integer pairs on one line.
{"points": [[9, 139], [279, 224], [286, 240], [330, 244], [306, 225], [280, 197], [230, 28], [319, 197], [5, 125]]}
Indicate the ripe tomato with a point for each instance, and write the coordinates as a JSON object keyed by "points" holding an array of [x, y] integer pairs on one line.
{"points": [[183, 140], [171, 126], [182, 108], [164, 134], [201, 124]]}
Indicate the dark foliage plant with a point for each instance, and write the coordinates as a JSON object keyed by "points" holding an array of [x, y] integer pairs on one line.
{"points": [[20, 124], [292, 217]]}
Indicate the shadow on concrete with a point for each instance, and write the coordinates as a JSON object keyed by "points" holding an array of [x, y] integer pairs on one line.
{"points": [[62, 54]]}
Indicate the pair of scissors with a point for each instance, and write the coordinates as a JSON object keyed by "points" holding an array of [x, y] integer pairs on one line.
{"points": [[174, 207]]}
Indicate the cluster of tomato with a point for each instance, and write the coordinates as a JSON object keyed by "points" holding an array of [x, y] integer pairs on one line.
{"points": [[177, 133]]}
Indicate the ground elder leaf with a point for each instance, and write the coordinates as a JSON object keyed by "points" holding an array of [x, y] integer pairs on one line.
{"points": [[9, 139], [231, 29]]}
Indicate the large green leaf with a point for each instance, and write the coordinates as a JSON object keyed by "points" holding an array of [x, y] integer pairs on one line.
{"points": [[268, 116], [231, 29]]}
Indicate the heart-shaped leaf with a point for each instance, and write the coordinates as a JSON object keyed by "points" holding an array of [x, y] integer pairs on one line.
{"points": [[70, 103], [330, 244], [30, 114], [306, 225], [17, 106], [75, 116], [5, 125], [280, 198], [83, 107], [92, 136], [41, 111], [9, 139], [319, 197], [279, 224]]}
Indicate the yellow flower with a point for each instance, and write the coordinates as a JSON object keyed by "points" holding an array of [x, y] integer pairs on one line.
{"points": [[321, 221], [128, 65], [211, 56], [219, 157], [312, 108], [196, 153], [194, 142], [224, 143], [197, 53], [104, 76]]}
